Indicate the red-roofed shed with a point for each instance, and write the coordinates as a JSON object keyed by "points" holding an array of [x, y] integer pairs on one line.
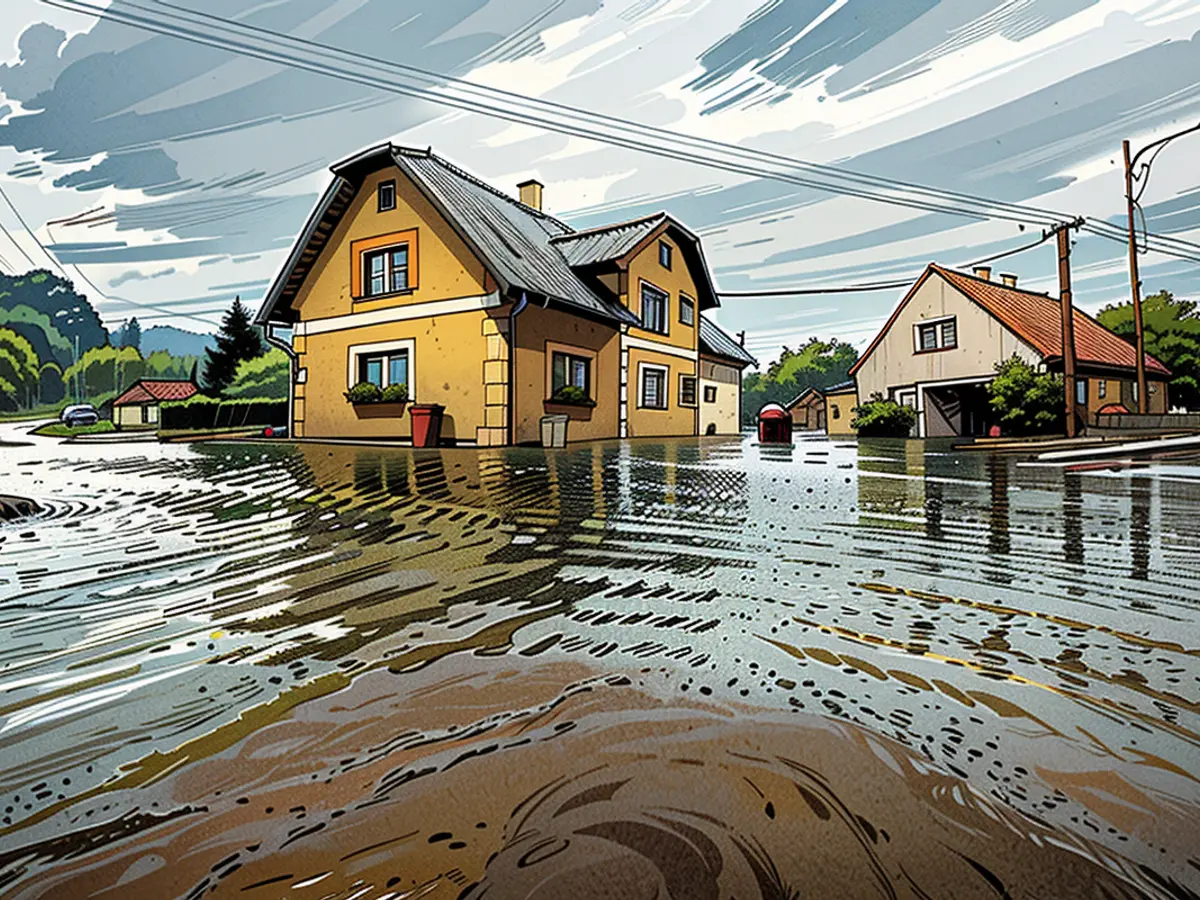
{"points": [[138, 406]]}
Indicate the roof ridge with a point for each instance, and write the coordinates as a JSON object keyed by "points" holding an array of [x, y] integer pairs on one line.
{"points": [[946, 270], [492, 189], [597, 228]]}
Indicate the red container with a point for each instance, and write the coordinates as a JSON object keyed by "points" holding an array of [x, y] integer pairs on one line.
{"points": [[774, 425], [426, 423]]}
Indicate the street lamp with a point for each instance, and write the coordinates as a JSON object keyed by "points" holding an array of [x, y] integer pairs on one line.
{"points": [[1134, 282]]}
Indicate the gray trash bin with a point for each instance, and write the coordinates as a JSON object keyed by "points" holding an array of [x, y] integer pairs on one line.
{"points": [[554, 430]]}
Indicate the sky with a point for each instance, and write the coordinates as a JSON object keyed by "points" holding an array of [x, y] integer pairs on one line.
{"points": [[174, 175]]}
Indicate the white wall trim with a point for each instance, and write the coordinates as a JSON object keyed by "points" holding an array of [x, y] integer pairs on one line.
{"points": [[354, 351], [397, 314], [643, 344]]}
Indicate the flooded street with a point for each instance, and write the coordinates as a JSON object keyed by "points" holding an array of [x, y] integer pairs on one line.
{"points": [[694, 666]]}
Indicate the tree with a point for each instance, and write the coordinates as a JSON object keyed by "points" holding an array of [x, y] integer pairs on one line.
{"points": [[816, 364], [1172, 330], [50, 384], [104, 371], [47, 341], [18, 371], [131, 334], [1026, 401], [238, 340], [268, 376], [883, 418], [55, 297]]}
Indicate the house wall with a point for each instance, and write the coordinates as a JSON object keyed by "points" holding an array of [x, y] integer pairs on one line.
{"points": [[982, 342], [538, 333], [128, 416], [448, 316], [682, 357], [806, 415], [839, 411], [725, 414]]}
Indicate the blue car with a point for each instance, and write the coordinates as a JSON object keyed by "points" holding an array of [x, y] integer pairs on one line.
{"points": [[79, 415]]}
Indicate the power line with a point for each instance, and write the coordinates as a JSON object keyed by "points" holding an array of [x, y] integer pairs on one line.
{"points": [[58, 265], [878, 285], [550, 115]]}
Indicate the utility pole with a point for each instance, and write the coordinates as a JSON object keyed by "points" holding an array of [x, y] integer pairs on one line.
{"points": [[1135, 288], [1063, 233], [1135, 284]]}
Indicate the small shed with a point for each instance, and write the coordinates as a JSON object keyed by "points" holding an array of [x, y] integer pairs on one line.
{"points": [[774, 425], [138, 406], [808, 410]]}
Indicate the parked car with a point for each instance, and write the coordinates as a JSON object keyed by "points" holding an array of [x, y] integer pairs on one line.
{"points": [[79, 414]]}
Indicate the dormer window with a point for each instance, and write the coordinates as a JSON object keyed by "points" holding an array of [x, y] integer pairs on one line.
{"points": [[664, 254], [387, 195]]}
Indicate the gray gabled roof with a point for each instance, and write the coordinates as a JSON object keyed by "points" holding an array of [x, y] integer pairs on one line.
{"points": [[597, 245], [513, 238], [716, 342]]}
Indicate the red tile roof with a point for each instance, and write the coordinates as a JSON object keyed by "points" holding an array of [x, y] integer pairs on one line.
{"points": [[146, 391], [1036, 319]]}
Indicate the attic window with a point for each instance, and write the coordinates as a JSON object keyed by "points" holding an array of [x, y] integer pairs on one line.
{"points": [[387, 195], [664, 254]]}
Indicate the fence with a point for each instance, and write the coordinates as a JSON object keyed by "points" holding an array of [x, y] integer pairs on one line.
{"points": [[215, 414], [1135, 422]]}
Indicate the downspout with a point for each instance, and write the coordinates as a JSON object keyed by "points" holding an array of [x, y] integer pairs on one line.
{"points": [[517, 309], [294, 367]]}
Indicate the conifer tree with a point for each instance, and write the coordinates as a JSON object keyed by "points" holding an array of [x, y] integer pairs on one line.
{"points": [[237, 341]]}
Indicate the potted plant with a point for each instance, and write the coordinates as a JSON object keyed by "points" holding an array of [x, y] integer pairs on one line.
{"points": [[364, 392], [571, 395]]}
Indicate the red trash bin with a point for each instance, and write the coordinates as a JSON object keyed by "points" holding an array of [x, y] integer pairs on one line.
{"points": [[426, 423]]}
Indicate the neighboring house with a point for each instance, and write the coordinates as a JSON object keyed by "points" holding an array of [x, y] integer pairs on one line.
{"points": [[722, 360], [827, 409], [411, 271], [138, 407], [942, 343]]}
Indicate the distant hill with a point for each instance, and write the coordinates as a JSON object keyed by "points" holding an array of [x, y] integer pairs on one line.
{"points": [[176, 341]]}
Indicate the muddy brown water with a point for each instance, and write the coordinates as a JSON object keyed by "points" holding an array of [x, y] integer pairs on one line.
{"points": [[646, 669]]}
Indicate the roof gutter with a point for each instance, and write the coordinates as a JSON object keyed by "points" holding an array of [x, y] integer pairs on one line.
{"points": [[517, 309]]}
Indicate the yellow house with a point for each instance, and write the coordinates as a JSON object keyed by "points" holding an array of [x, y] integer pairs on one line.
{"points": [[411, 272]]}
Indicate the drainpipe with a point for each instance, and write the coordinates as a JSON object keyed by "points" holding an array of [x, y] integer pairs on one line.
{"points": [[294, 366], [517, 309]]}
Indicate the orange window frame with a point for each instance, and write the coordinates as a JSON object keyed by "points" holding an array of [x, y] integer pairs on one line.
{"points": [[363, 246]]}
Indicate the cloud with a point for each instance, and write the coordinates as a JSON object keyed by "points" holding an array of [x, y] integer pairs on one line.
{"points": [[135, 275], [39, 63]]}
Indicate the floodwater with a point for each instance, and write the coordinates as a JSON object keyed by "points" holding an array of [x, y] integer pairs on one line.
{"points": [[686, 669]]}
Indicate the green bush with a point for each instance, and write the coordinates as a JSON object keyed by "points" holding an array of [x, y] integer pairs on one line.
{"points": [[58, 429], [204, 413], [394, 393], [1026, 402], [883, 418], [570, 393], [266, 376], [364, 392]]}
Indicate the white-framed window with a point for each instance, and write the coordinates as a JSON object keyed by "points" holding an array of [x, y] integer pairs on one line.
{"points": [[664, 254], [387, 195], [687, 390], [1102, 388], [710, 393], [652, 386], [382, 364], [385, 271], [687, 310], [654, 308], [150, 414], [939, 334], [1081, 391]]}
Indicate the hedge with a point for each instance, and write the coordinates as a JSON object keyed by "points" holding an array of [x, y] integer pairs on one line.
{"points": [[206, 412]]}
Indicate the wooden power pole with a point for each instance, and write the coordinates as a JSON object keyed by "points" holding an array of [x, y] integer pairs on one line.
{"points": [[1135, 287], [1063, 233]]}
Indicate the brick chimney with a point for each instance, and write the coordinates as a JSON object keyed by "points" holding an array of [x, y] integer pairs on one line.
{"points": [[984, 272], [531, 193], [1009, 280]]}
